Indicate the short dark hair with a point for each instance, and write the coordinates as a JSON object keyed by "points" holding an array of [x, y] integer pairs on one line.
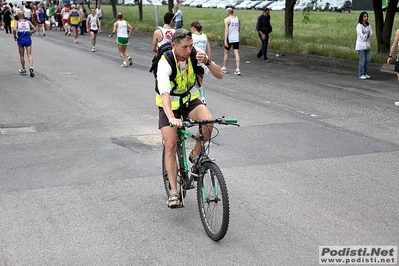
{"points": [[266, 9], [169, 16]]}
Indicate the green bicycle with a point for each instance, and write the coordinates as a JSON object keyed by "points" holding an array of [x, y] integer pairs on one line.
{"points": [[212, 196]]}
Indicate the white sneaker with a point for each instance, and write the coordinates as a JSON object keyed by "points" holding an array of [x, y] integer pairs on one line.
{"points": [[130, 60], [124, 64], [22, 71], [237, 72], [367, 76], [362, 77], [75, 41], [224, 70], [94, 49], [397, 103]]}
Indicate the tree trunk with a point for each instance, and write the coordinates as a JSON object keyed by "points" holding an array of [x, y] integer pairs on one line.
{"points": [[383, 29], [170, 5], [114, 11], [289, 18], [141, 10]]}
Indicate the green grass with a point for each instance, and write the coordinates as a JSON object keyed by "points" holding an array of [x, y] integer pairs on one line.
{"points": [[330, 34]]}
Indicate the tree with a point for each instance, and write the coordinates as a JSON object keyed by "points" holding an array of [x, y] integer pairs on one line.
{"points": [[289, 18], [113, 3], [383, 29]]}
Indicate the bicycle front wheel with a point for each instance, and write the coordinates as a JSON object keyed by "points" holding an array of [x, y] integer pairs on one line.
{"points": [[213, 201]]}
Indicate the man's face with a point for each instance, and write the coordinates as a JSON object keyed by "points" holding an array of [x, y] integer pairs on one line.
{"points": [[183, 49]]}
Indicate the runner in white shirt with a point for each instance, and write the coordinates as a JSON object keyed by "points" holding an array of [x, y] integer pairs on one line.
{"points": [[92, 26]]}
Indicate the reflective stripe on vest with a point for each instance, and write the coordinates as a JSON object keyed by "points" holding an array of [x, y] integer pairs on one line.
{"points": [[181, 87]]}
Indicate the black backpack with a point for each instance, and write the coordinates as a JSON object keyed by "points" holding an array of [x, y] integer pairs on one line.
{"points": [[166, 49]]}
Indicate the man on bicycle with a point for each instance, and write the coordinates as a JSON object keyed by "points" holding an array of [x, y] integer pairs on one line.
{"points": [[178, 97]]}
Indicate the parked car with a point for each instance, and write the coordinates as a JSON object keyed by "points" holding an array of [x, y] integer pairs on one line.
{"points": [[128, 3], [212, 3], [198, 3], [277, 6], [342, 6], [264, 4], [233, 3], [300, 6], [187, 2], [247, 5], [228, 3]]}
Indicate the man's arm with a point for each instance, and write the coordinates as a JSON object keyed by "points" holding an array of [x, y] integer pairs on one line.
{"points": [[114, 29], [155, 40], [393, 46], [130, 29], [226, 29], [32, 27]]}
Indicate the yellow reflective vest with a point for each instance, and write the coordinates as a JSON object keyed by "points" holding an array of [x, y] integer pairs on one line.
{"points": [[183, 87]]}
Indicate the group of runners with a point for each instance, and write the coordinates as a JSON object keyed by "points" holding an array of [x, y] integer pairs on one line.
{"points": [[72, 19]]}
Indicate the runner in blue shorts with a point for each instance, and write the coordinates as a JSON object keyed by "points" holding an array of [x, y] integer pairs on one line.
{"points": [[123, 31], [24, 28]]}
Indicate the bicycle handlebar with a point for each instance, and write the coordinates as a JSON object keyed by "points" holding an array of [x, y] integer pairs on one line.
{"points": [[221, 120]]}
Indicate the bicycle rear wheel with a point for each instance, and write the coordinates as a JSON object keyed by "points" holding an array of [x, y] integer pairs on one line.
{"points": [[213, 201]]}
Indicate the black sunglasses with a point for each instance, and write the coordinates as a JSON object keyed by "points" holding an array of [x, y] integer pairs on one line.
{"points": [[182, 35]]}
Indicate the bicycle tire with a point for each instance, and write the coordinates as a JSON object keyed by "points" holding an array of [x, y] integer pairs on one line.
{"points": [[166, 179], [213, 207]]}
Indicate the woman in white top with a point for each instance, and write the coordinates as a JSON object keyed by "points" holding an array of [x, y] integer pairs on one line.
{"points": [[363, 48], [201, 42]]}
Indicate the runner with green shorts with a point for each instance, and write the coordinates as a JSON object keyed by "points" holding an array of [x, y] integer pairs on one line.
{"points": [[123, 31]]}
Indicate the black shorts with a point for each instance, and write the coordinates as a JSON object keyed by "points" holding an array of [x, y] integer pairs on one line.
{"points": [[236, 46], [94, 31], [396, 69], [182, 112]]}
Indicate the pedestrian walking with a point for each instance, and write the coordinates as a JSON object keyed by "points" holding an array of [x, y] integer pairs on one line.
{"points": [[123, 30], [7, 17], [178, 17], [395, 46], [65, 19], [263, 27], [74, 22], [23, 31], [41, 19], [200, 41], [83, 26], [92, 25], [99, 13], [231, 39], [363, 47], [164, 34]]}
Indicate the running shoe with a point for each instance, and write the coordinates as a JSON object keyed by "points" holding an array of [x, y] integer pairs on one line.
{"points": [[75, 41], [362, 77], [22, 71], [124, 64], [397, 103], [32, 74], [224, 70], [94, 49], [130, 60], [237, 72]]}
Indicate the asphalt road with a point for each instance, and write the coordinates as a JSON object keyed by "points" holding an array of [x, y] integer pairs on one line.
{"points": [[315, 161]]}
